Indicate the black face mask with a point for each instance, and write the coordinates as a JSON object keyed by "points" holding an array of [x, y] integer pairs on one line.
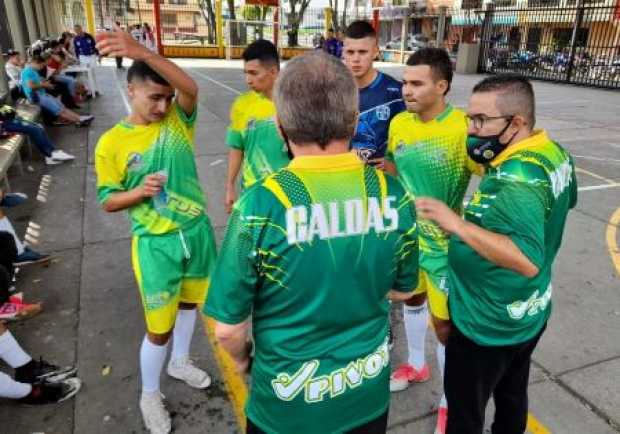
{"points": [[483, 149]]}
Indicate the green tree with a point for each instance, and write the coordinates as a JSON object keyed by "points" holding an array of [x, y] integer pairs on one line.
{"points": [[295, 18], [208, 13]]}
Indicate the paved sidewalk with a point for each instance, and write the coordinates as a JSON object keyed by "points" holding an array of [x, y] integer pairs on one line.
{"points": [[93, 318]]}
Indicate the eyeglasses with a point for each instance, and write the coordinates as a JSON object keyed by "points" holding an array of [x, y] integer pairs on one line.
{"points": [[478, 121]]}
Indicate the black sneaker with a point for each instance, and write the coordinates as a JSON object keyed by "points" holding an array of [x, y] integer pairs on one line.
{"points": [[29, 256], [52, 393], [38, 371]]}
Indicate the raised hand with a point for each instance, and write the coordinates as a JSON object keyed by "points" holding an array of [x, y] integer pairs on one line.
{"points": [[118, 43]]}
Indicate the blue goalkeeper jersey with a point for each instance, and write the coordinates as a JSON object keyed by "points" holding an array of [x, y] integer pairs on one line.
{"points": [[379, 103]]}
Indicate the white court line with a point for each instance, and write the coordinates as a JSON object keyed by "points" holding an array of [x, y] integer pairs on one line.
{"points": [[212, 80], [123, 96], [598, 187], [586, 157]]}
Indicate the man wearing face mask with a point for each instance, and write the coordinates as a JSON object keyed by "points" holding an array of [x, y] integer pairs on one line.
{"points": [[501, 255], [426, 147], [252, 135]]}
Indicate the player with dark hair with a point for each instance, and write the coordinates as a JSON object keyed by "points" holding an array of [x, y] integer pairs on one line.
{"points": [[252, 135], [380, 96], [145, 164], [426, 148]]}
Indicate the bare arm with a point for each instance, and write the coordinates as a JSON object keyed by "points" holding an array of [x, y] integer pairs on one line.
{"points": [[235, 159], [234, 339], [390, 167], [122, 44], [497, 248], [126, 199], [43, 85]]}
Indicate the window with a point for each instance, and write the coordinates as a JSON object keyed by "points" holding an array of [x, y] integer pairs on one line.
{"points": [[542, 3], [169, 19], [471, 4], [177, 2], [533, 38], [505, 3], [562, 37]]}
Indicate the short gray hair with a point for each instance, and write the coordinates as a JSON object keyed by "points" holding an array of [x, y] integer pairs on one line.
{"points": [[316, 99]]}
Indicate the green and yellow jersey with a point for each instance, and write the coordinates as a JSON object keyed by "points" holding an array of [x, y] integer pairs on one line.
{"points": [[431, 160], [253, 130], [525, 194], [301, 255], [127, 153]]}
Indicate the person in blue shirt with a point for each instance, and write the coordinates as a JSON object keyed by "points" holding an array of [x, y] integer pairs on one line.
{"points": [[86, 52], [332, 45], [380, 96], [85, 44], [35, 90]]}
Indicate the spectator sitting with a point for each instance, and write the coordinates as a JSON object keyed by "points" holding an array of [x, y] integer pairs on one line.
{"points": [[56, 64], [35, 382], [58, 89], [66, 41], [12, 307], [35, 89], [24, 254], [43, 383], [13, 67], [10, 122]]}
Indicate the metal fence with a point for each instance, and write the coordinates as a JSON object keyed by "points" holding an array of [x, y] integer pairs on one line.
{"points": [[575, 44]]}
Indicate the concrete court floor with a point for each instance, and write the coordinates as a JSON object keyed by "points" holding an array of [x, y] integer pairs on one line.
{"points": [[93, 317]]}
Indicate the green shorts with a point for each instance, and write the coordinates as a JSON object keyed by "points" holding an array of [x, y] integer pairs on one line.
{"points": [[173, 268], [433, 281]]}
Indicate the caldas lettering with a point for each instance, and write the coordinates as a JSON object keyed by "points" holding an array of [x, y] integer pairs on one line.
{"points": [[340, 219]]}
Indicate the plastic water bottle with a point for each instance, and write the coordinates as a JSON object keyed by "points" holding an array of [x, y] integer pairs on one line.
{"points": [[160, 201]]}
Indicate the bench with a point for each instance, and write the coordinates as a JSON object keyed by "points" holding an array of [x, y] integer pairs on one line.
{"points": [[10, 147]]}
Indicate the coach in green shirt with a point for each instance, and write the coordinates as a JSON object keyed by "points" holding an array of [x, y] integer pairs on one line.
{"points": [[501, 255], [310, 255]]}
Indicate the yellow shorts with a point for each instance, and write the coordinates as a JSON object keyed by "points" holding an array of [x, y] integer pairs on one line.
{"points": [[433, 281]]}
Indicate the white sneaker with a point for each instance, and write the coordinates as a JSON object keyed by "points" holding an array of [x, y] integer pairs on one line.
{"points": [[183, 369], [155, 416], [86, 118], [50, 161], [62, 156]]}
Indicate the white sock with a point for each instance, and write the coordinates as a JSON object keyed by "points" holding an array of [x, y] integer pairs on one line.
{"points": [[441, 361], [416, 324], [6, 226], [12, 389], [152, 358], [11, 352], [183, 332]]}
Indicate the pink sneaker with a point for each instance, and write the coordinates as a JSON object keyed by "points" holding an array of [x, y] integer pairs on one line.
{"points": [[407, 374], [16, 310], [442, 420]]}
